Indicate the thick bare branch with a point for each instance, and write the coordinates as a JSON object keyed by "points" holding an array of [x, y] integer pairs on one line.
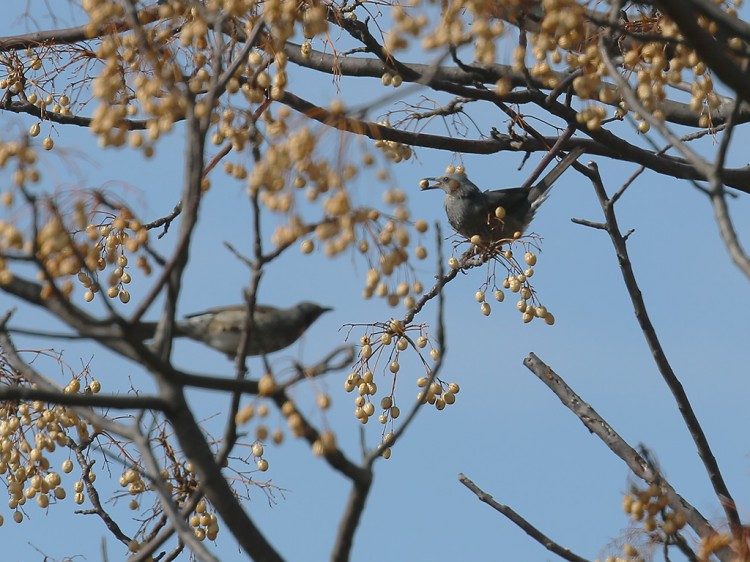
{"points": [[602, 429]]}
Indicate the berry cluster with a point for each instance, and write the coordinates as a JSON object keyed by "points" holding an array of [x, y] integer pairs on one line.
{"points": [[384, 344]]}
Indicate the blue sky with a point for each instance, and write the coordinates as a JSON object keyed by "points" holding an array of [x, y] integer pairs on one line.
{"points": [[506, 431]]}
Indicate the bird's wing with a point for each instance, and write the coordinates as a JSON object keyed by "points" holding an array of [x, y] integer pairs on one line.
{"points": [[259, 309], [506, 198]]}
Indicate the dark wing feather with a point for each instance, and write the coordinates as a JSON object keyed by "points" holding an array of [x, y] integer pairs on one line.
{"points": [[510, 199]]}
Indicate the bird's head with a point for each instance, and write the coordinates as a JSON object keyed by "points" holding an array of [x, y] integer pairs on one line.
{"points": [[311, 311], [452, 184]]}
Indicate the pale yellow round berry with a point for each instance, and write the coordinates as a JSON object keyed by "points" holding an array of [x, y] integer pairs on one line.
{"points": [[453, 263], [549, 319], [420, 252], [395, 412], [35, 130], [88, 296], [307, 247], [530, 258], [421, 342], [421, 225], [500, 213], [394, 367], [262, 465], [266, 385], [67, 466], [257, 449], [423, 184], [476, 240], [48, 143], [435, 354], [479, 296], [324, 401], [499, 296], [485, 308]]}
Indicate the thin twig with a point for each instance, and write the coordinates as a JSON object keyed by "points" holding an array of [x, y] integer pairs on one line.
{"points": [[522, 523]]}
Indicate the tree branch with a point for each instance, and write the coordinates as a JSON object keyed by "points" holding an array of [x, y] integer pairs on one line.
{"points": [[523, 524]]}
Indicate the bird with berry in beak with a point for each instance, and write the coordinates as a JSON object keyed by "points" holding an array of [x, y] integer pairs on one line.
{"points": [[494, 215]]}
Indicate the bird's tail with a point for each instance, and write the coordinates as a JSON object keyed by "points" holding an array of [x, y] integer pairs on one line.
{"points": [[539, 193]]}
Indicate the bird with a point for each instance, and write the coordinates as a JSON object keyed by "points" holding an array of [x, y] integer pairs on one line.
{"points": [[221, 327], [494, 215]]}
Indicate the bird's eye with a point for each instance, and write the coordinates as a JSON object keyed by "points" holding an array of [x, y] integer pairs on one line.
{"points": [[445, 178]]}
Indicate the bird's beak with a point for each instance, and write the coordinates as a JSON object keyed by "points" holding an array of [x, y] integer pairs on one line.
{"points": [[424, 183]]}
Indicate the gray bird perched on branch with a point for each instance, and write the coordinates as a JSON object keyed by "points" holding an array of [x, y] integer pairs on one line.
{"points": [[221, 327], [494, 215]]}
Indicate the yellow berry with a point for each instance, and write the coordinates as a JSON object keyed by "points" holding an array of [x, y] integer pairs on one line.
{"points": [[324, 401], [307, 247]]}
